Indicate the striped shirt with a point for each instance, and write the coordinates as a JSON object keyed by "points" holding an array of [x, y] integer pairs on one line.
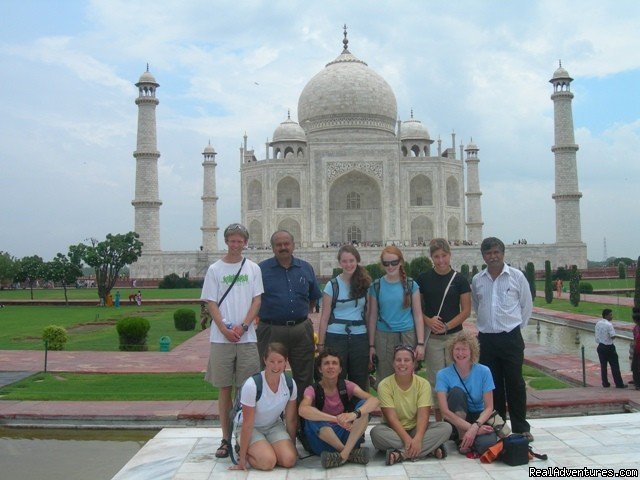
{"points": [[501, 304]]}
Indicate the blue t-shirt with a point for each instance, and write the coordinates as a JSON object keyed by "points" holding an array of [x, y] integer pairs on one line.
{"points": [[478, 382], [390, 301], [352, 309], [287, 291]]}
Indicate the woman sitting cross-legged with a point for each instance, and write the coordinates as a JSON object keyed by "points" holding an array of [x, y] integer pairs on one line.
{"points": [[405, 399], [264, 440], [465, 393], [334, 430]]}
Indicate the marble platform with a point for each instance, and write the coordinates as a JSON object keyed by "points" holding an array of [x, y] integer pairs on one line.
{"points": [[603, 441]]}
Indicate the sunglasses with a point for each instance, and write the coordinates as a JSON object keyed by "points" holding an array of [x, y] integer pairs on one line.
{"points": [[408, 348], [236, 227], [392, 263]]}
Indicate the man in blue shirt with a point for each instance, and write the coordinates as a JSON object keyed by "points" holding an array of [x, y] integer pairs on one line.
{"points": [[290, 292]]}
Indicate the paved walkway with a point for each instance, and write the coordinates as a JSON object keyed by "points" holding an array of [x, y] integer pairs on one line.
{"points": [[595, 442]]}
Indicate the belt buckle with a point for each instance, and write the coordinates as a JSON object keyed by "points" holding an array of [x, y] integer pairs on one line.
{"points": [[290, 323]]}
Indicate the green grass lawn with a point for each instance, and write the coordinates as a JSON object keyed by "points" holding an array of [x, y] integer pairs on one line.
{"points": [[122, 387], [598, 283], [92, 294], [89, 328], [165, 386], [620, 312]]}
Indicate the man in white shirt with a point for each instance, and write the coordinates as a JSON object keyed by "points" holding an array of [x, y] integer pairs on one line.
{"points": [[502, 302], [232, 290], [607, 350]]}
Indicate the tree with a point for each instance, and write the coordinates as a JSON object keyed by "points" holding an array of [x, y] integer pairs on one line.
{"points": [[530, 274], [29, 270], [474, 271], [622, 271], [108, 257], [636, 296], [419, 265], [64, 269], [7, 268], [574, 286], [548, 283], [562, 274], [464, 271]]}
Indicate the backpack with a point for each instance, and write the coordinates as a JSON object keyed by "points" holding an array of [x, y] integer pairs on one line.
{"points": [[335, 288], [376, 289], [234, 413]]}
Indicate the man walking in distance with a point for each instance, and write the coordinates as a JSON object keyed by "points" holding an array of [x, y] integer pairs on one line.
{"points": [[232, 289], [290, 293], [607, 350], [503, 304]]}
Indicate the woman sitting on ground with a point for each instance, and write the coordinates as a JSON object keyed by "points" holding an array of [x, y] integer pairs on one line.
{"points": [[264, 440], [334, 430], [405, 399], [465, 393]]}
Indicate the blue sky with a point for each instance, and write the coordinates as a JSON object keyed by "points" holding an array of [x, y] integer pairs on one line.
{"points": [[481, 68]]}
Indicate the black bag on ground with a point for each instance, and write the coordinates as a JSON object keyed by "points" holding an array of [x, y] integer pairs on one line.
{"points": [[516, 450]]}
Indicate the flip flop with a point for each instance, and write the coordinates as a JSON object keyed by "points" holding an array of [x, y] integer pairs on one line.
{"points": [[393, 456]]}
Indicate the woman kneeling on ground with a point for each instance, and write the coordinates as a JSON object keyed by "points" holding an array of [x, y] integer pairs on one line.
{"points": [[465, 393], [335, 431], [264, 440], [405, 399]]}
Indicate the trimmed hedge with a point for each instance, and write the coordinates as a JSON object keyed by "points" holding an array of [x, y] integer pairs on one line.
{"points": [[184, 319], [55, 336], [586, 287], [133, 334]]}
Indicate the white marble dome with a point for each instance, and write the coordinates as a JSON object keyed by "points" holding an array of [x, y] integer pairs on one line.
{"points": [[146, 77], [414, 130], [561, 73], [289, 131], [347, 94]]}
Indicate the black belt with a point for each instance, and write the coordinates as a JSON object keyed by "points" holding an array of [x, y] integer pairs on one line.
{"points": [[284, 323]]}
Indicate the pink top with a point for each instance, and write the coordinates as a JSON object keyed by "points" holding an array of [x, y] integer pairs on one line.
{"points": [[332, 403]]}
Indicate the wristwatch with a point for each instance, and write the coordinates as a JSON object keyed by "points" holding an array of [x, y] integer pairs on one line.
{"points": [[358, 413], [245, 327]]}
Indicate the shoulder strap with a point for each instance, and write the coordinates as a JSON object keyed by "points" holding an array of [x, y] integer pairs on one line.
{"points": [[344, 396], [289, 381], [319, 393], [233, 282], [541, 456], [335, 291], [257, 378], [446, 290], [376, 290]]}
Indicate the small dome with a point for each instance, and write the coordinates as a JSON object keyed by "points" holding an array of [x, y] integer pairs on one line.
{"points": [[560, 74], [414, 130], [146, 77], [472, 146], [209, 149], [289, 131]]}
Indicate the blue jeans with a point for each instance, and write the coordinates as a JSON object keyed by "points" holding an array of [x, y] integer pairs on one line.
{"points": [[312, 431]]}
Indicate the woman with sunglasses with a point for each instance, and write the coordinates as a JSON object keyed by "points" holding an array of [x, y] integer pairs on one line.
{"points": [[405, 399], [446, 297], [465, 394], [395, 313], [342, 322]]}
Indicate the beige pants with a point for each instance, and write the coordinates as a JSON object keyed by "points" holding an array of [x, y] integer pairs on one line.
{"points": [[384, 437]]}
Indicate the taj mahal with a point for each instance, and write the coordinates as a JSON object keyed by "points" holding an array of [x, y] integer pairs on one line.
{"points": [[350, 171]]}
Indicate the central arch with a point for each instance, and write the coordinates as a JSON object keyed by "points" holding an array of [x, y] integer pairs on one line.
{"points": [[355, 206]]}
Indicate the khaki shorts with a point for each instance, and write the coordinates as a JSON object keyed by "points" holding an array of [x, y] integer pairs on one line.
{"points": [[273, 433], [232, 363], [385, 345]]}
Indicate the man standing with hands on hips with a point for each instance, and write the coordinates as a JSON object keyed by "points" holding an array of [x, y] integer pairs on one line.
{"points": [[232, 289], [503, 305], [290, 293]]}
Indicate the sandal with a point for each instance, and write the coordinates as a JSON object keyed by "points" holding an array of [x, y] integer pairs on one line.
{"points": [[528, 436], [331, 459], [223, 449], [440, 453], [393, 456]]}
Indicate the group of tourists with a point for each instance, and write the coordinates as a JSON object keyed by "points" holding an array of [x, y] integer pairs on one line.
{"points": [[388, 326]]}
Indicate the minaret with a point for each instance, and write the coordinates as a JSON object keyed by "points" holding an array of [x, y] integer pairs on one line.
{"points": [[474, 207], [567, 195], [147, 202], [209, 199]]}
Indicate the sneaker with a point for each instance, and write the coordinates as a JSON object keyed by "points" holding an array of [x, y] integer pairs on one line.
{"points": [[330, 459], [359, 455]]}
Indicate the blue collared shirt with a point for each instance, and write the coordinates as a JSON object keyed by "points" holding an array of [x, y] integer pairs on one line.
{"points": [[501, 304], [287, 291]]}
